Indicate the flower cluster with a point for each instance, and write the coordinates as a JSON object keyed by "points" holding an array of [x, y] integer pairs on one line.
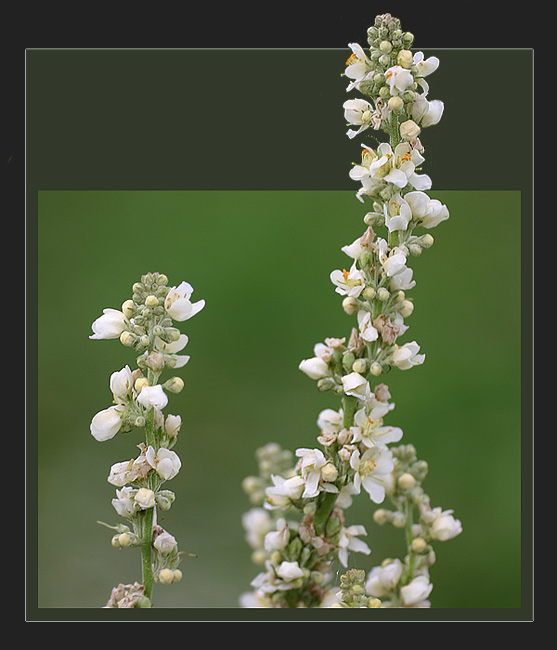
{"points": [[296, 526], [145, 323]]}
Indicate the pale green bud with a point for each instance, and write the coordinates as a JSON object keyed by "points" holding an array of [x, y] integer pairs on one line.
{"points": [[383, 294], [376, 369]]}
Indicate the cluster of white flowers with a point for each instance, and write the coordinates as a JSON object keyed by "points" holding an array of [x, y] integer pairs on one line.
{"points": [[296, 526], [146, 324]]}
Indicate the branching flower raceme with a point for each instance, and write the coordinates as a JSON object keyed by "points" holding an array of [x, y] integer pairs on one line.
{"points": [[297, 526], [145, 323]]}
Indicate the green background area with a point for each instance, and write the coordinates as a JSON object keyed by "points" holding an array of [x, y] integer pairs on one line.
{"points": [[261, 260]]}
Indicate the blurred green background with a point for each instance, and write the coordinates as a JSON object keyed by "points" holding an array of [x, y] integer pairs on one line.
{"points": [[261, 260]]}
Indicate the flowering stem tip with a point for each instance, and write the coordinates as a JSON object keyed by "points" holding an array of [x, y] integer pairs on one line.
{"points": [[297, 526], [145, 323]]}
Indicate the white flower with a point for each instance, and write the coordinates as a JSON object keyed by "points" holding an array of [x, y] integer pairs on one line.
{"points": [[358, 112], [445, 526], [349, 541], [396, 167], [315, 367], [123, 504], [382, 580], [427, 212], [289, 571], [121, 383], [348, 283], [110, 325], [397, 213], [313, 468], [282, 490], [257, 522], [399, 79], [172, 425], [426, 113], [128, 471], [368, 427], [371, 468], [405, 356], [145, 498], [165, 542], [178, 304], [171, 349], [277, 540], [425, 66], [153, 396], [166, 463], [415, 593], [106, 424], [367, 331], [358, 66], [356, 385], [329, 421]]}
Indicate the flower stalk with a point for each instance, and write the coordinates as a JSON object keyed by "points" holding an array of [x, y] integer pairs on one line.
{"points": [[145, 324], [297, 526]]}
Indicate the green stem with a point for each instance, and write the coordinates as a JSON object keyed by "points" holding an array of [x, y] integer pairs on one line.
{"points": [[146, 544], [409, 537]]}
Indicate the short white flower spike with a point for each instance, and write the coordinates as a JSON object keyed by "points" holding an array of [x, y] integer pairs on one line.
{"points": [[145, 325]]}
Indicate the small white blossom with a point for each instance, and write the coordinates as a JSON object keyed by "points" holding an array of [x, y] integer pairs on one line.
{"points": [[426, 212], [356, 385], [370, 468], [399, 79], [121, 383], [289, 571], [178, 304], [358, 66], [348, 283], [406, 356], [415, 593], [277, 540], [358, 112], [110, 325], [124, 504], [312, 465], [106, 424], [153, 396], [172, 348], [382, 580], [369, 429], [282, 490], [367, 331], [257, 522], [166, 462], [445, 526], [349, 541]]}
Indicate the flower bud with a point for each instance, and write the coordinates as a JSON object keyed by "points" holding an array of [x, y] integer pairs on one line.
{"points": [[369, 293], [127, 339], [375, 369], [166, 576], [350, 305], [125, 540], [359, 366], [404, 58], [177, 575], [385, 47], [406, 481], [406, 308], [396, 104], [174, 384], [382, 294], [151, 301], [426, 241]]}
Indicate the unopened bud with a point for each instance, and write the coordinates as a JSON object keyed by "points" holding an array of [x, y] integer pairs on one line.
{"points": [[174, 384], [382, 294], [426, 240], [396, 104], [406, 481], [350, 305], [404, 58], [166, 576], [376, 369], [406, 308], [151, 301]]}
